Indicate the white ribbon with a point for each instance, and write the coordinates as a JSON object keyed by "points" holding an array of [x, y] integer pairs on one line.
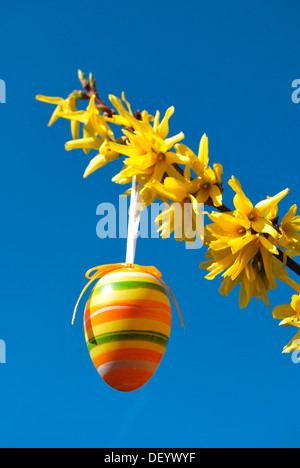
{"points": [[134, 221]]}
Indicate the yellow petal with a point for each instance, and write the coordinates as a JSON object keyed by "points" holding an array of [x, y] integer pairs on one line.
{"points": [[83, 143], [123, 149], [295, 223], [96, 163], [79, 116], [264, 207], [240, 242], [283, 311], [142, 162], [100, 125], [227, 286], [296, 303], [294, 321], [208, 175], [294, 345], [174, 158], [171, 141], [55, 116], [241, 202], [227, 221], [216, 195], [172, 172], [268, 267], [127, 103], [202, 196], [263, 290], [163, 128], [290, 215], [50, 100], [75, 126], [245, 292], [171, 190], [116, 102], [194, 204], [219, 267], [203, 151], [268, 245], [264, 226], [242, 219], [156, 121], [159, 171], [245, 256], [186, 151], [218, 170]]}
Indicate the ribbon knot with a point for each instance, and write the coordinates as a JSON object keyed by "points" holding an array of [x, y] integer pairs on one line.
{"points": [[100, 271]]}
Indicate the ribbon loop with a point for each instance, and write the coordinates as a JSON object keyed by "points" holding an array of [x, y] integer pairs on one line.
{"points": [[100, 271]]}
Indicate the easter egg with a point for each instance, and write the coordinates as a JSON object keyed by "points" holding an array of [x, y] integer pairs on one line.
{"points": [[127, 324]]}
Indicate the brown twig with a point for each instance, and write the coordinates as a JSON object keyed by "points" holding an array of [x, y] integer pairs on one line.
{"points": [[224, 209], [291, 264], [89, 85]]}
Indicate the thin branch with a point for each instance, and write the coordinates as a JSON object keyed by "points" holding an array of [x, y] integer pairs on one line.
{"points": [[291, 264], [89, 85]]}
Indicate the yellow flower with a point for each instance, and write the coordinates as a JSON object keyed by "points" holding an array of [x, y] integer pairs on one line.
{"points": [[209, 180], [105, 156], [289, 314], [177, 217], [95, 128], [208, 188], [290, 230], [64, 106], [122, 118], [257, 215], [176, 190], [147, 149], [242, 256], [254, 283], [127, 174]]}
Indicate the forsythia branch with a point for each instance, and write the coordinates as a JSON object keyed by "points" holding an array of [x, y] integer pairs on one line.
{"points": [[249, 245]]}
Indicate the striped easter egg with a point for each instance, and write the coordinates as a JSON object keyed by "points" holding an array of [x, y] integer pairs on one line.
{"points": [[127, 324]]}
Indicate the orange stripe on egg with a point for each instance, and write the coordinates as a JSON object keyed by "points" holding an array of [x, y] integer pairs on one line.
{"points": [[127, 380], [128, 354], [121, 312]]}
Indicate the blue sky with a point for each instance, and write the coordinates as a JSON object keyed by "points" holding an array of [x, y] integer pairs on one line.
{"points": [[227, 67]]}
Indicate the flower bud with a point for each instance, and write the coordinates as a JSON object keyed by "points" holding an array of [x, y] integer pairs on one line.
{"points": [[85, 83]]}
